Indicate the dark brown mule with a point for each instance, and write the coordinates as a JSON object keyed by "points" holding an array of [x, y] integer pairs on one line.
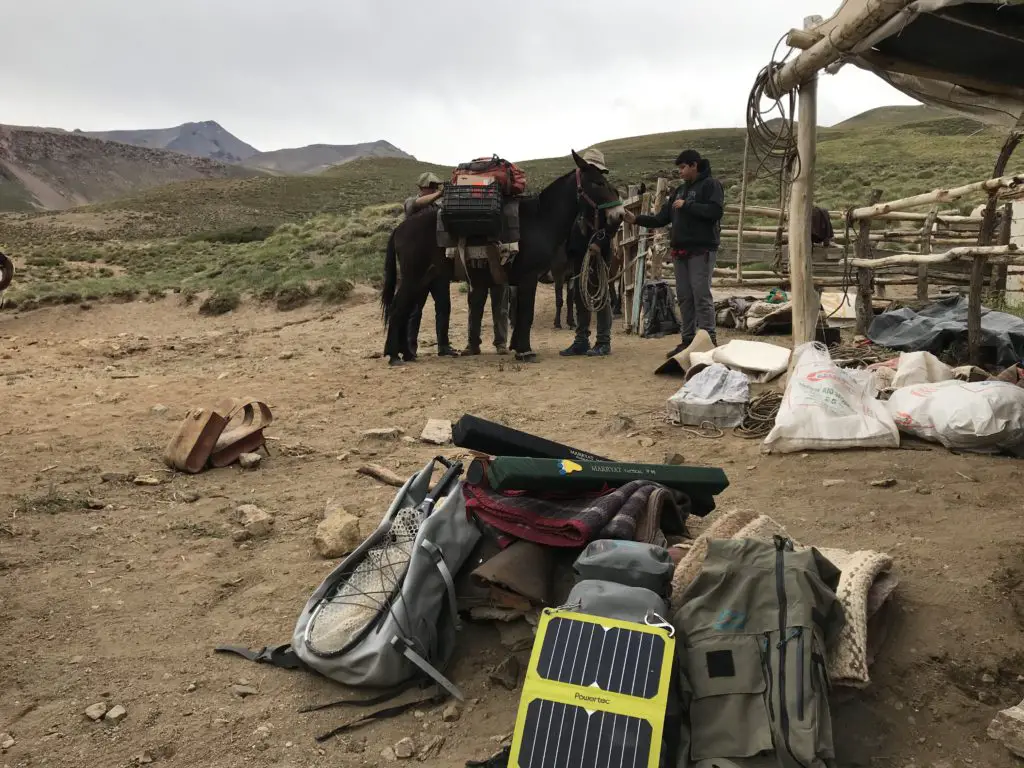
{"points": [[544, 224]]}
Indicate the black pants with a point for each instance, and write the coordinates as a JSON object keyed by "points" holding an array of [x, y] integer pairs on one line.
{"points": [[438, 289]]}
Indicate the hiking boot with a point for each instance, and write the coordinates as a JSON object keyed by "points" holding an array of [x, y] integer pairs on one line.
{"points": [[600, 350], [501, 350], [472, 349], [446, 351], [577, 348], [679, 348]]}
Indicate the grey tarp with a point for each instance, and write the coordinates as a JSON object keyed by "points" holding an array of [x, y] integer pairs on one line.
{"points": [[944, 323]]}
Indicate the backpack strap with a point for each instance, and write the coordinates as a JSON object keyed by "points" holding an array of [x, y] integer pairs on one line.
{"points": [[438, 557], [406, 650], [281, 656]]}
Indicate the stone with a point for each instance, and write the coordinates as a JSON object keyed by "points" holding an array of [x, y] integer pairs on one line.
{"points": [[96, 711], [337, 534], [116, 477], [190, 497], [675, 459], [388, 755], [831, 483], [432, 749], [257, 523], [988, 679], [506, 674], [191, 688], [116, 714], [145, 758], [243, 691], [146, 480], [591, 411], [159, 410], [223, 376], [286, 355], [646, 442], [451, 713], [405, 749], [385, 433], [249, 460], [437, 432], [887, 482], [1008, 727], [6, 741]]}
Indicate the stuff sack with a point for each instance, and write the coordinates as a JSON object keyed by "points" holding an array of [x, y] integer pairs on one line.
{"points": [[827, 408], [757, 624], [983, 416], [509, 177], [387, 614]]}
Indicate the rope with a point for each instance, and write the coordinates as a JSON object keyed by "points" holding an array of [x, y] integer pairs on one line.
{"points": [[706, 429], [594, 289], [759, 417]]}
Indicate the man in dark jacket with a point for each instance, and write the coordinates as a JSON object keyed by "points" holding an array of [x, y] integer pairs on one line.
{"points": [[695, 211]]}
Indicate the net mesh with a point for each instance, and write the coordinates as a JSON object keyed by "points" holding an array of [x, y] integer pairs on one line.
{"points": [[356, 601]]}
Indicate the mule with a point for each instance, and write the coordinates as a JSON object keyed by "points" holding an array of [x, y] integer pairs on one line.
{"points": [[545, 221]]}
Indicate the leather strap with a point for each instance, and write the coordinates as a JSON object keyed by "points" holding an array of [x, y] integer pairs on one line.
{"points": [[277, 655]]}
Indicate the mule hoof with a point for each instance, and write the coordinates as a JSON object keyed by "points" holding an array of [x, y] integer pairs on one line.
{"points": [[395, 361], [526, 357]]}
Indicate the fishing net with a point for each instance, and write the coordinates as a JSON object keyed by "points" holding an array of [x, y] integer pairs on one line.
{"points": [[355, 602]]}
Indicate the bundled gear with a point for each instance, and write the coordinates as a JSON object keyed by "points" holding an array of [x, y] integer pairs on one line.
{"points": [[756, 624], [660, 311], [510, 178]]}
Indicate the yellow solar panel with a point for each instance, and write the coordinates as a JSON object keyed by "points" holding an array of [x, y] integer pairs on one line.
{"points": [[595, 694]]}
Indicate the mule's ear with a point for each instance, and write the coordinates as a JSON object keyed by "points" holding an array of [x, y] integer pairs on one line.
{"points": [[580, 162]]}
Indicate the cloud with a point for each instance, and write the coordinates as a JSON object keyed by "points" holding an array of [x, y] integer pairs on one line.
{"points": [[444, 80]]}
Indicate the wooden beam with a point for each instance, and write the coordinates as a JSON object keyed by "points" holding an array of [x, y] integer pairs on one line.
{"points": [[913, 69], [974, 310], [996, 254], [743, 208], [1005, 228], [937, 196], [846, 34], [926, 247], [802, 39], [864, 305]]}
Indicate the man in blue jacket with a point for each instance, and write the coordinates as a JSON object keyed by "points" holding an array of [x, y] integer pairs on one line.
{"points": [[694, 211]]}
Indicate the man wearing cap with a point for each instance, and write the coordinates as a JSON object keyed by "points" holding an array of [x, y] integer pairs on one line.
{"points": [[695, 211], [429, 194], [575, 249]]}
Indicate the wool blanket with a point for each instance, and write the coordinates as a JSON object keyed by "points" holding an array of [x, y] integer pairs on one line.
{"points": [[631, 512], [865, 587]]}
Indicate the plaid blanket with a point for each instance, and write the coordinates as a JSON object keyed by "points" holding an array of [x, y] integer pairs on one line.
{"points": [[631, 512]]}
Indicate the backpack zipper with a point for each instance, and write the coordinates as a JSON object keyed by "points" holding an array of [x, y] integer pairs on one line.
{"points": [[766, 661], [780, 588]]}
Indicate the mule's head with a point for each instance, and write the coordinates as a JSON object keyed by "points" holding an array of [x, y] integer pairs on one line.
{"points": [[597, 193]]}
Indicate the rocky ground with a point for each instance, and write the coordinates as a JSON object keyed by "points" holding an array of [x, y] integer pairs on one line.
{"points": [[115, 591]]}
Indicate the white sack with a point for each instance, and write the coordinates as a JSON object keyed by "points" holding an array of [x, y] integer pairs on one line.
{"points": [[827, 407], [983, 416], [920, 368]]}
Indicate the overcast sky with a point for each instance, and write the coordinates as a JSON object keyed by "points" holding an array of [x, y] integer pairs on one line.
{"points": [[444, 80]]}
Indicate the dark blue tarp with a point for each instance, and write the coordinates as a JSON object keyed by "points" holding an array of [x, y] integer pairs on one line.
{"points": [[943, 324]]}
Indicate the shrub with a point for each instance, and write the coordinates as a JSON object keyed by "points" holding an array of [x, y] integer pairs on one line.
{"points": [[220, 302]]}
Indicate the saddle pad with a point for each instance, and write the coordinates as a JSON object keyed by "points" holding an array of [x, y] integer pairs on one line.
{"points": [[595, 693]]}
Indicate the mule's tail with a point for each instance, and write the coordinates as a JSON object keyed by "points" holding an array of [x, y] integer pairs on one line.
{"points": [[387, 294]]}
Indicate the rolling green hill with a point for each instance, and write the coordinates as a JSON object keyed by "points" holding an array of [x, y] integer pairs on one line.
{"points": [[301, 233]]}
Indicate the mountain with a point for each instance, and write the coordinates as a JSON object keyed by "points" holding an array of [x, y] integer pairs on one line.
{"points": [[54, 170], [319, 157], [206, 139]]}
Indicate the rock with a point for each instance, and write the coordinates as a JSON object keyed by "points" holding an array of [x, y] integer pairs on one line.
{"points": [[243, 691], [988, 679], [145, 758], [887, 482], [337, 534], [386, 433], [339, 395], [249, 460], [437, 432], [116, 714], [1008, 727], [6, 741], [676, 459], [591, 411], [190, 497], [223, 376], [646, 442], [405, 749], [146, 480], [286, 355], [831, 483], [191, 688], [159, 410], [506, 674], [116, 477], [96, 711], [451, 713], [432, 749], [257, 523], [388, 755]]}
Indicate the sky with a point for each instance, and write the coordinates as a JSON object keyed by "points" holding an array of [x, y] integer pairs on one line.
{"points": [[444, 80]]}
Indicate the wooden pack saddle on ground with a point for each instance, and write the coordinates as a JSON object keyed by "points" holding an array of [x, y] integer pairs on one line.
{"points": [[203, 439]]}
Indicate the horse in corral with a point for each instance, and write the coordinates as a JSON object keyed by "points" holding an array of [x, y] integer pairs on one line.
{"points": [[545, 223]]}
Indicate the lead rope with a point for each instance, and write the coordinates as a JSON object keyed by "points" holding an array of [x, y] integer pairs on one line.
{"points": [[594, 289]]}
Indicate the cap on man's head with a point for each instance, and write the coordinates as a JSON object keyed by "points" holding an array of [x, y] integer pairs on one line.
{"points": [[688, 157], [595, 157], [426, 179]]}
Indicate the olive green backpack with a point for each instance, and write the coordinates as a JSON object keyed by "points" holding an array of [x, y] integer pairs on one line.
{"points": [[755, 628]]}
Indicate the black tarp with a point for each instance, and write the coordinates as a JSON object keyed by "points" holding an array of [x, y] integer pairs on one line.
{"points": [[944, 324]]}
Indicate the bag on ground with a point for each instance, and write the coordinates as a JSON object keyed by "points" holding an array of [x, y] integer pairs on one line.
{"points": [[827, 408]]}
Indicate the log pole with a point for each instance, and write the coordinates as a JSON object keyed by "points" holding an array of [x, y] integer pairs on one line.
{"points": [[926, 247], [864, 306], [743, 209], [938, 196]]}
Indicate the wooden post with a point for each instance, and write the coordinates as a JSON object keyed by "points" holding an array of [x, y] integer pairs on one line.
{"points": [[743, 209], [926, 247], [1005, 228], [974, 311], [804, 297], [865, 305], [658, 200]]}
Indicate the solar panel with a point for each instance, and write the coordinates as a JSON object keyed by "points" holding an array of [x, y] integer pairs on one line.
{"points": [[595, 694]]}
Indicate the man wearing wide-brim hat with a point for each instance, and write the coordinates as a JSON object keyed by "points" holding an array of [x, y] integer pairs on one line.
{"points": [[430, 193], [575, 249]]}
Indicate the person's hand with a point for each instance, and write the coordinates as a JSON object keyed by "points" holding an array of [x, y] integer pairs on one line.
{"points": [[678, 203], [629, 217]]}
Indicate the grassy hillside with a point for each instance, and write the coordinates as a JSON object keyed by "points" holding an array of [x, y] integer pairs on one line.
{"points": [[295, 236]]}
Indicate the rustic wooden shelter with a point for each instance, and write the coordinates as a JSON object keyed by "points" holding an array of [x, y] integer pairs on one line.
{"points": [[961, 55]]}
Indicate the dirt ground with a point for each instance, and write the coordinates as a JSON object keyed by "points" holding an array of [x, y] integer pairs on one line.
{"points": [[122, 599]]}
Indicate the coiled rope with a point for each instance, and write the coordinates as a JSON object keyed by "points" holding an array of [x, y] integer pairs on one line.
{"points": [[595, 285], [760, 416]]}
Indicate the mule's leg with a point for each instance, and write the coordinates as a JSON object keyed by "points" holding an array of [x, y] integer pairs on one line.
{"points": [[479, 282], [527, 300], [571, 292], [559, 284]]}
